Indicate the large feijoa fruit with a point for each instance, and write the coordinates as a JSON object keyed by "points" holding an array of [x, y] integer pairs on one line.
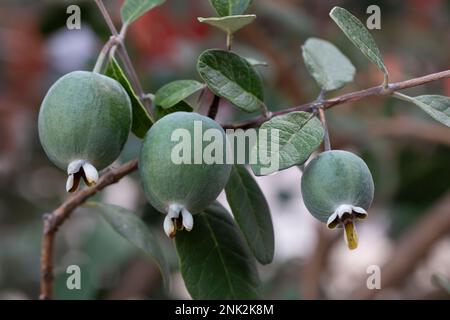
{"points": [[178, 175], [337, 188], [84, 121]]}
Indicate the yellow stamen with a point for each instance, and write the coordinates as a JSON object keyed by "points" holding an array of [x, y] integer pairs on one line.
{"points": [[351, 236]]}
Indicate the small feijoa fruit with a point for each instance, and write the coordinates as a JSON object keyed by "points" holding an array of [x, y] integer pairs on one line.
{"points": [[84, 121], [337, 188], [176, 177]]}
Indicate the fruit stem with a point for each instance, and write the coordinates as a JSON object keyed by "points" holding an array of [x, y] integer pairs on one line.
{"points": [[326, 138], [229, 41], [99, 64], [385, 83], [351, 236]]}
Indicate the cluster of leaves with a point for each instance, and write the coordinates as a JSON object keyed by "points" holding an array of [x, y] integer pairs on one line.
{"points": [[217, 258]]}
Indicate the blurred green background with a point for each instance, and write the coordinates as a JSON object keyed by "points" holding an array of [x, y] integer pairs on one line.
{"points": [[407, 152]]}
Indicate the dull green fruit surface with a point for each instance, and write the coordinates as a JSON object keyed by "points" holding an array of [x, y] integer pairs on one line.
{"points": [[337, 188], [84, 121], [176, 179]]}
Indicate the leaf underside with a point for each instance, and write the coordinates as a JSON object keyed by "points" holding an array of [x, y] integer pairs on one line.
{"points": [[299, 134], [438, 107], [359, 35], [229, 24], [326, 64], [133, 9]]}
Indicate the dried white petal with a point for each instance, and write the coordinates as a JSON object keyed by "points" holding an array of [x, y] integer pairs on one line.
{"points": [[174, 211], [336, 218], [69, 183], [169, 227], [188, 220], [342, 209], [90, 174], [331, 220], [360, 212], [75, 166]]}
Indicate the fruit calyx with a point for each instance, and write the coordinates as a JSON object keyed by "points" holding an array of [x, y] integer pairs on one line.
{"points": [[80, 169], [345, 216], [174, 221]]}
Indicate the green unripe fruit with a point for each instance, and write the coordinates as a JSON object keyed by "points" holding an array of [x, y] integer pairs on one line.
{"points": [[176, 176], [337, 188], [84, 121]]}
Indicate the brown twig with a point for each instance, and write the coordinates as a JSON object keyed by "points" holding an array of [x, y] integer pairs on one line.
{"points": [[349, 97], [52, 221], [412, 248]]}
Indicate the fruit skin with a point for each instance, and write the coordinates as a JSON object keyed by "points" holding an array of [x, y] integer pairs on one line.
{"points": [[189, 186], [335, 179], [84, 116]]}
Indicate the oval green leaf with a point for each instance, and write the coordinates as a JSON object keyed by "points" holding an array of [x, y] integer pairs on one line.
{"points": [[288, 140], [327, 64], [252, 213], [359, 35], [438, 107], [133, 9], [230, 7], [129, 226], [215, 261], [229, 24], [175, 92], [141, 121], [231, 77], [180, 106]]}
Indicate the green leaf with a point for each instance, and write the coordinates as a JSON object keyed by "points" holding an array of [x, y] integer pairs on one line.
{"points": [[438, 107], [141, 119], [180, 106], [230, 7], [231, 77], [215, 261], [229, 24], [129, 226], [174, 92], [133, 9], [299, 134], [252, 213], [326, 64], [359, 35]]}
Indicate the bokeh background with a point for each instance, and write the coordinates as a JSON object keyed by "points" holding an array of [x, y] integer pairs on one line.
{"points": [[408, 230]]}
